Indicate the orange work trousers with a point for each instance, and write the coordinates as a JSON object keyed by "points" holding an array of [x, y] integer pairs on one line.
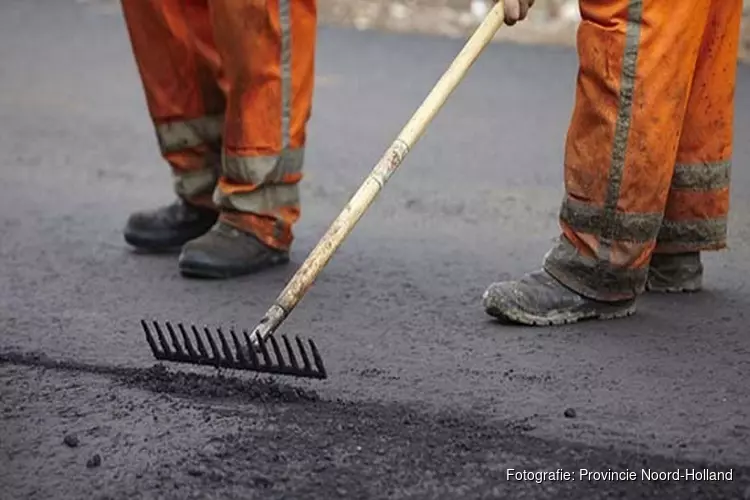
{"points": [[649, 147], [229, 87]]}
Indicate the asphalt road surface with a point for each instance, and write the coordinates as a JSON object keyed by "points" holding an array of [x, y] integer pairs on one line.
{"points": [[427, 396]]}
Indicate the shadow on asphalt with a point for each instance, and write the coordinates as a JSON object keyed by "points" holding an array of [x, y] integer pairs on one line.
{"points": [[161, 380]]}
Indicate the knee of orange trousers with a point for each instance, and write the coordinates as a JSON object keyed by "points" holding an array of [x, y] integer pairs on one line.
{"points": [[707, 132], [192, 86]]}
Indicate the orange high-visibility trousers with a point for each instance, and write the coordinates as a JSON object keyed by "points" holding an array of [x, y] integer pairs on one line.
{"points": [[649, 147], [229, 88]]}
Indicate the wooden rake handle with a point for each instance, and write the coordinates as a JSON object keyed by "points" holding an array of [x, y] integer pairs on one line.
{"points": [[391, 160]]}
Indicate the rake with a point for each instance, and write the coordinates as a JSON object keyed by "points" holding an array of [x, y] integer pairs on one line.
{"points": [[250, 351], [234, 354]]}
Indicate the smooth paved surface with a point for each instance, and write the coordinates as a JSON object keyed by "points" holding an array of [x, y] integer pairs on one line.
{"points": [[427, 397]]}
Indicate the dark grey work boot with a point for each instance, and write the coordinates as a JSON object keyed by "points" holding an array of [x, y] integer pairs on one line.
{"points": [[675, 273], [539, 299], [226, 252], [168, 227]]}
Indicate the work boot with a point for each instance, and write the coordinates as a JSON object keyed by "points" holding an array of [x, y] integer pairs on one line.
{"points": [[168, 227], [675, 273], [226, 252], [539, 299]]}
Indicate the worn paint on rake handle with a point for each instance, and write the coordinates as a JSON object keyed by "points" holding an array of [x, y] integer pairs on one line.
{"points": [[342, 226], [305, 276]]}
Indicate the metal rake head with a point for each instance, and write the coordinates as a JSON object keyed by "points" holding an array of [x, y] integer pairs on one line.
{"points": [[237, 355]]}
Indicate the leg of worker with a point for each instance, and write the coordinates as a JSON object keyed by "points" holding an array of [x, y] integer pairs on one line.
{"points": [[179, 67], [268, 51], [698, 203], [636, 66]]}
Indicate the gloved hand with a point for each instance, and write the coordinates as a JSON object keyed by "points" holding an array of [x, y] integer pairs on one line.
{"points": [[516, 10]]}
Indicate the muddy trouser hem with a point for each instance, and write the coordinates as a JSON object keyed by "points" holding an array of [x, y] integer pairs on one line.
{"points": [[261, 195], [592, 278]]}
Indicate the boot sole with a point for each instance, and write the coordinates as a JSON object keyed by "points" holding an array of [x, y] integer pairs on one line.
{"points": [[206, 271], [144, 248], [155, 245], [604, 312], [690, 284], [673, 289]]}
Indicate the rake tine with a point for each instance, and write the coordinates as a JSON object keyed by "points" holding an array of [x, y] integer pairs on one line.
{"points": [[302, 351], [317, 358], [199, 342], [240, 356], [225, 346], [290, 352], [186, 339], [277, 352], [254, 362], [150, 339], [176, 343], [264, 351], [162, 340], [214, 349]]}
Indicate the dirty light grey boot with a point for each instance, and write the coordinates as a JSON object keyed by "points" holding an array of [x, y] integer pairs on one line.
{"points": [[226, 252], [675, 273], [539, 299]]}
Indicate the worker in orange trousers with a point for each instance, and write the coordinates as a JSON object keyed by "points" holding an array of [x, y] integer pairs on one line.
{"points": [[647, 160], [229, 88]]}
